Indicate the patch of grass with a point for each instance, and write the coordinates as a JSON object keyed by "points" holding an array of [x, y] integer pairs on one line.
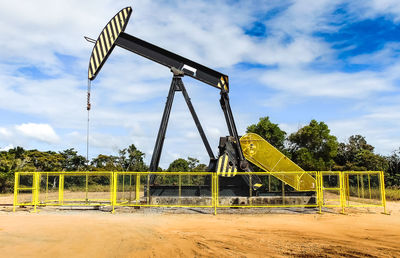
{"points": [[91, 188], [393, 194]]}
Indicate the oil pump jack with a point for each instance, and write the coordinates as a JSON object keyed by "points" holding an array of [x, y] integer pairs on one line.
{"points": [[230, 159]]}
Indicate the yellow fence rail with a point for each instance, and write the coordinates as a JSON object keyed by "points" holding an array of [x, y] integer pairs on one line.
{"points": [[340, 189]]}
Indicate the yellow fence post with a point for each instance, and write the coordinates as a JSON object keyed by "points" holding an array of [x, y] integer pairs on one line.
{"points": [[383, 193], [47, 187], [362, 185], [250, 189], [130, 188], [316, 190], [61, 189], [283, 193], [342, 190], [347, 185], [369, 187], [35, 192], [319, 191], [179, 189], [216, 191], [86, 187], [114, 190], [148, 189], [213, 192], [137, 190], [16, 185], [123, 186]]}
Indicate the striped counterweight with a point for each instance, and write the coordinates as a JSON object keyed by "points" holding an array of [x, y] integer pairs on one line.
{"points": [[106, 41], [224, 168], [223, 83]]}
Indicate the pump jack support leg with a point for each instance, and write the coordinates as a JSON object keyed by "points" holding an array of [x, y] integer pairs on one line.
{"points": [[176, 85], [231, 123], [196, 119], [224, 101], [155, 159]]}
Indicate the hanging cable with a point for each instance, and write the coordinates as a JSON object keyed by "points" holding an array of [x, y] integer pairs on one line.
{"points": [[87, 129]]}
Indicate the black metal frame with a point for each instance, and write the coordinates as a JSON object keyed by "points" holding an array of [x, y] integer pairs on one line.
{"points": [[170, 60], [177, 65], [176, 85], [226, 107], [181, 66]]}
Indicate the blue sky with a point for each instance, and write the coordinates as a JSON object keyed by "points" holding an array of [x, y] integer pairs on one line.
{"points": [[330, 60]]}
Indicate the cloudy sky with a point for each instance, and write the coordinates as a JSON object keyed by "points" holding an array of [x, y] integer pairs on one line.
{"points": [[330, 60]]}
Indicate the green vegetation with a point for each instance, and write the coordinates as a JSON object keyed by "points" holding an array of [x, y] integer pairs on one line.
{"points": [[189, 165], [393, 194], [270, 132], [18, 159], [312, 147], [182, 165]]}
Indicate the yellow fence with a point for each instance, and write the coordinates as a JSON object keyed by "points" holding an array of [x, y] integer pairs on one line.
{"points": [[341, 189]]}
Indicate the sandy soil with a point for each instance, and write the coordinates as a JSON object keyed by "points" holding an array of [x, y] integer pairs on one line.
{"points": [[51, 233]]}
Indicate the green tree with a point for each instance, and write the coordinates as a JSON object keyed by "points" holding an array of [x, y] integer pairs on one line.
{"points": [[106, 163], [312, 147], [195, 165], [192, 163], [357, 154], [44, 161], [7, 166], [72, 161], [392, 175], [132, 159], [200, 168], [19, 160], [270, 132], [18, 152], [367, 160], [182, 165], [178, 165]]}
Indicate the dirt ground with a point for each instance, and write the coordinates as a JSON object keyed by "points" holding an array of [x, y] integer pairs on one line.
{"points": [[145, 233]]}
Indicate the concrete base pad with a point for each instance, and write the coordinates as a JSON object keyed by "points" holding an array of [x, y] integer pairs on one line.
{"points": [[233, 201]]}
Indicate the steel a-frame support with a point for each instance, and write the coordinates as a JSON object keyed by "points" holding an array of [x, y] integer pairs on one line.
{"points": [[226, 108], [176, 85]]}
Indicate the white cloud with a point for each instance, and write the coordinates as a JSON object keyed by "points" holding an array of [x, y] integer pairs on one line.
{"points": [[40, 132], [4, 132], [304, 82], [373, 8], [6, 148], [129, 94]]}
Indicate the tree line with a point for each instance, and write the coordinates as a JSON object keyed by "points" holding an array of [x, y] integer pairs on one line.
{"points": [[312, 147]]}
